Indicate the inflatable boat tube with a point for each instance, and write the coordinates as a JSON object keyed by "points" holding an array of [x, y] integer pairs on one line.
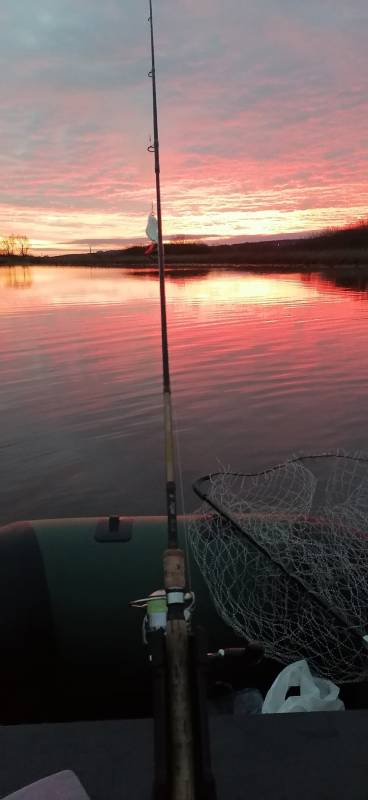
{"points": [[71, 646]]}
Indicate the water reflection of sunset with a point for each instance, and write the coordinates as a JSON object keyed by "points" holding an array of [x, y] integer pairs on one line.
{"points": [[68, 286], [262, 366]]}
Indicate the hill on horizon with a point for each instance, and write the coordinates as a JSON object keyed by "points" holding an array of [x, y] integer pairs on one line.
{"points": [[352, 238]]}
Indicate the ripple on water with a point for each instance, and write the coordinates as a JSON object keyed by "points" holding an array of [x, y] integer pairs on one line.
{"points": [[262, 366]]}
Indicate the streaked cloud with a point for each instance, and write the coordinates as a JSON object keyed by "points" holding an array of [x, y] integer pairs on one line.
{"points": [[263, 112]]}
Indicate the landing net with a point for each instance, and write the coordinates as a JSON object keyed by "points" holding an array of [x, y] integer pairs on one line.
{"points": [[285, 556]]}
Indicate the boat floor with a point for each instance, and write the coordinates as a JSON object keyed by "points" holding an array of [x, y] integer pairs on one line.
{"points": [[282, 757]]}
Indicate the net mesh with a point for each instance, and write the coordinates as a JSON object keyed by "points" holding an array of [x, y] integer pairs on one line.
{"points": [[285, 556]]}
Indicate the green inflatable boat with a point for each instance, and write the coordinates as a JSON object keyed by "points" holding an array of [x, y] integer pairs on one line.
{"points": [[71, 645]]}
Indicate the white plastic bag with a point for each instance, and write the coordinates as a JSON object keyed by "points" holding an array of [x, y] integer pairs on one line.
{"points": [[316, 694]]}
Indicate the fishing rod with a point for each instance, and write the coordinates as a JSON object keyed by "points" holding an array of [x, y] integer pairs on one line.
{"points": [[181, 744], [180, 660]]}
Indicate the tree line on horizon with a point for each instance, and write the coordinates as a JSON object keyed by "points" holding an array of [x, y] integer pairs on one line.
{"points": [[14, 245], [353, 235]]}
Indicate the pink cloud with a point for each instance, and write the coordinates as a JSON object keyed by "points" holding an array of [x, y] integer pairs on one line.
{"points": [[263, 118]]}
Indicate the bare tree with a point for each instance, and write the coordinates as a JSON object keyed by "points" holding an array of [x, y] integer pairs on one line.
{"points": [[23, 245], [14, 245], [12, 241], [5, 246]]}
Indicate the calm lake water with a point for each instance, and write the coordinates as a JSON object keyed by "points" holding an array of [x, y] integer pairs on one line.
{"points": [[263, 367]]}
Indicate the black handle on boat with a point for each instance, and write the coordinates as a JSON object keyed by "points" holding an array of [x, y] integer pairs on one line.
{"points": [[252, 653]]}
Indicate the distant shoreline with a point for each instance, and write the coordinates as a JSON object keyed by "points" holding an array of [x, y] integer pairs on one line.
{"points": [[345, 249], [187, 264]]}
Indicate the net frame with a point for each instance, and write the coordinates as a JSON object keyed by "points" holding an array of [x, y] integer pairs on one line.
{"points": [[259, 549]]}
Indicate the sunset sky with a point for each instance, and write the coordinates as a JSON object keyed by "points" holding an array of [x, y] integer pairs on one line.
{"points": [[263, 118]]}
